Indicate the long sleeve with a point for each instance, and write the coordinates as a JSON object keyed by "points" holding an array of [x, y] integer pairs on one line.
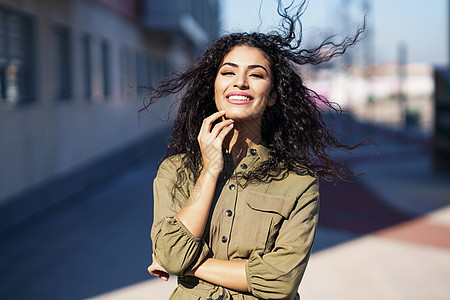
{"points": [[176, 249], [277, 274]]}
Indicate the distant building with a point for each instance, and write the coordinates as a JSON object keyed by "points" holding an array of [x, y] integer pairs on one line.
{"points": [[441, 145], [441, 153], [66, 68], [374, 98]]}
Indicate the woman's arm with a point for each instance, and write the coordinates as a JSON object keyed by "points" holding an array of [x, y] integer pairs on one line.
{"points": [[179, 222], [229, 274], [195, 212]]}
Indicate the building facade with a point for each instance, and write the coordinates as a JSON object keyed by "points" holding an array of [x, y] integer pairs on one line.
{"points": [[441, 141], [67, 75]]}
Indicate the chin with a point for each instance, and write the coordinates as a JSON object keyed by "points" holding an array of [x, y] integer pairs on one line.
{"points": [[241, 115]]}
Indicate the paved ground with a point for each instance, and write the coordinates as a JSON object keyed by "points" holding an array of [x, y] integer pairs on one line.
{"points": [[95, 242], [384, 236]]}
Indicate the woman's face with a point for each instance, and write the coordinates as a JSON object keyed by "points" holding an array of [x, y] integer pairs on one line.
{"points": [[243, 84]]}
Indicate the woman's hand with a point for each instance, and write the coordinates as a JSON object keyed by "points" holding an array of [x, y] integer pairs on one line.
{"points": [[156, 270], [211, 139]]}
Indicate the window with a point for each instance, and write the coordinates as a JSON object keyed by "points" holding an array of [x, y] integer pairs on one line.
{"points": [[63, 66], [128, 72], [141, 74], [140, 71], [96, 68], [160, 70], [17, 83], [87, 66], [106, 72]]}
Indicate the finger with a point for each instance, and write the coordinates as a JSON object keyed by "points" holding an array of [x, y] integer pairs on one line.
{"points": [[207, 122], [163, 275], [219, 127], [205, 129], [225, 132], [155, 272], [150, 269]]}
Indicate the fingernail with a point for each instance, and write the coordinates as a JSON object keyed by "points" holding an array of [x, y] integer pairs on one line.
{"points": [[231, 125], [222, 111]]}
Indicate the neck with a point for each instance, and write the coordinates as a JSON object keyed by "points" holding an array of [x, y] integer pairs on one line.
{"points": [[243, 136]]}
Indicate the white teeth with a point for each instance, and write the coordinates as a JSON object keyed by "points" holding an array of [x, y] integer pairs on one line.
{"points": [[237, 97]]}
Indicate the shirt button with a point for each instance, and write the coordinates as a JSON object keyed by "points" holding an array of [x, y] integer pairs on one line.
{"points": [[229, 213], [253, 151], [232, 187], [244, 166], [224, 239]]}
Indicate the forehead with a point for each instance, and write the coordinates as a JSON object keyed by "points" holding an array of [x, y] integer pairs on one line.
{"points": [[245, 56]]}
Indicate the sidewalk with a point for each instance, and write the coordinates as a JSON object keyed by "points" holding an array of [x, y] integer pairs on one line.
{"points": [[397, 232], [406, 255], [386, 236]]}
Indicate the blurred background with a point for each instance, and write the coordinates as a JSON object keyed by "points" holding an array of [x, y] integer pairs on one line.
{"points": [[77, 164]]}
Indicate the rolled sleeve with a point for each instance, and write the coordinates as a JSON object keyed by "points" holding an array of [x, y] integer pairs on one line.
{"points": [[176, 249], [277, 274]]}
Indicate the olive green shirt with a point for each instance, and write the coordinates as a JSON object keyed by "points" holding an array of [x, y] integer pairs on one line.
{"points": [[269, 225]]}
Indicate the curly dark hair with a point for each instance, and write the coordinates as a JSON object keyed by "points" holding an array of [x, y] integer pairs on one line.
{"points": [[293, 128]]}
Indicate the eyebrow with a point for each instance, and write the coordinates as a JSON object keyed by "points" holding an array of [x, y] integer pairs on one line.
{"points": [[249, 67]]}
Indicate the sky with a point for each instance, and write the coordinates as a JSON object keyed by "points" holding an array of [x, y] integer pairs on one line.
{"points": [[421, 26]]}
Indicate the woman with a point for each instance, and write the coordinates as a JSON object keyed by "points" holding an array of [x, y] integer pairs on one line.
{"points": [[236, 199]]}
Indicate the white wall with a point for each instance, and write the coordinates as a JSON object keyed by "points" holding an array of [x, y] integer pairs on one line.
{"points": [[44, 139]]}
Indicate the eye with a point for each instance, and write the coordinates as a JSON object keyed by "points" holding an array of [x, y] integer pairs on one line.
{"points": [[227, 73], [256, 75]]}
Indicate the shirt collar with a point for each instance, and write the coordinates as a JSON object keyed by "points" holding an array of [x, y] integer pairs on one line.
{"points": [[260, 152]]}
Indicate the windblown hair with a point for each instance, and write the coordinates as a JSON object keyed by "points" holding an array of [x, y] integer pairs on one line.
{"points": [[292, 128]]}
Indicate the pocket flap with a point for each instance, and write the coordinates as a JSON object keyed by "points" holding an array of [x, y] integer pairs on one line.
{"points": [[281, 205]]}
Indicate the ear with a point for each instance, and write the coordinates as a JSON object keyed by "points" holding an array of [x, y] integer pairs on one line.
{"points": [[272, 98]]}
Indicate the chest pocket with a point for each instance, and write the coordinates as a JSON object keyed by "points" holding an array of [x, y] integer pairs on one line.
{"points": [[266, 216]]}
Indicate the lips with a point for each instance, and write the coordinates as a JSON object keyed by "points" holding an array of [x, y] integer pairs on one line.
{"points": [[239, 98]]}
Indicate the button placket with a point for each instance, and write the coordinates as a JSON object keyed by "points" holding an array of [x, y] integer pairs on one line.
{"points": [[248, 161], [227, 216]]}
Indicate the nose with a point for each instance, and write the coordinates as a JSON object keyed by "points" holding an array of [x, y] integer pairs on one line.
{"points": [[241, 81]]}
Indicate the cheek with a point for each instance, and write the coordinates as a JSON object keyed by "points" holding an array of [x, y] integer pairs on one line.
{"points": [[220, 87], [217, 97], [218, 104], [266, 91]]}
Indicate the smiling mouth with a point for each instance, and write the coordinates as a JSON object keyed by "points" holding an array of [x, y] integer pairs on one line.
{"points": [[239, 99]]}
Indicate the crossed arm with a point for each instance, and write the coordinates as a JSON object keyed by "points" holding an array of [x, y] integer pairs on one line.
{"points": [[229, 274]]}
